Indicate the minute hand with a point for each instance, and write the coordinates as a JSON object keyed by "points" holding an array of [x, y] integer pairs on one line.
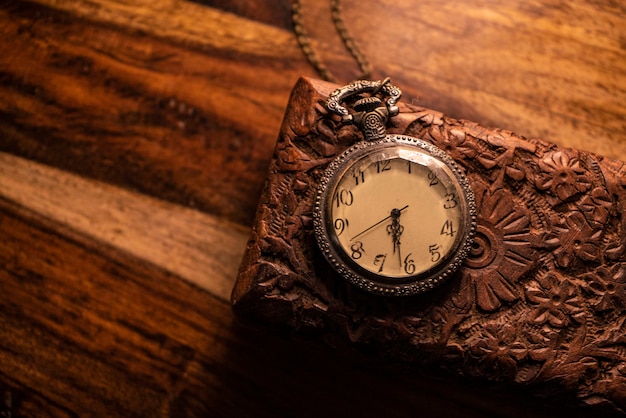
{"points": [[375, 225]]}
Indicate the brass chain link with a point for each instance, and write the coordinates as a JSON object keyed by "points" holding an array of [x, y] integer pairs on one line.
{"points": [[304, 40]]}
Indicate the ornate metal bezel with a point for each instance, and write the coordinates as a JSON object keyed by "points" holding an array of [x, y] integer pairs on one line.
{"points": [[380, 284]]}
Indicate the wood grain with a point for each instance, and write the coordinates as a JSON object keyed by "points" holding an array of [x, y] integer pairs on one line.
{"points": [[152, 115], [91, 332], [135, 140], [548, 69], [203, 249]]}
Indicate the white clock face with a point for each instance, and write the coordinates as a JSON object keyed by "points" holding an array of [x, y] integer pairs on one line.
{"points": [[396, 213]]}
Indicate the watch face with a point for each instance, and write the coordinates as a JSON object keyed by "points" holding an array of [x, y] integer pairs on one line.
{"points": [[396, 216]]}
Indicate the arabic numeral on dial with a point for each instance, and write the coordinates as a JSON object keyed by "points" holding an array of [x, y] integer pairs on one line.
{"points": [[383, 166], [435, 255], [409, 264], [359, 176], [408, 164], [451, 201], [432, 177], [341, 225], [357, 250], [343, 197], [380, 260], [448, 228]]}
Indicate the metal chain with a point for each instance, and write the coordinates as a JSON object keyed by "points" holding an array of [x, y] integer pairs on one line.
{"points": [[304, 40], [348, 40]]}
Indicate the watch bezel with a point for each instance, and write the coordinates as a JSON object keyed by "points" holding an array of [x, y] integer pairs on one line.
{"points": [[365, 279]]}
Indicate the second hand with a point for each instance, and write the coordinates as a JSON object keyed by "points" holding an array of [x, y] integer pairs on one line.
{"points": [[375, 225]]}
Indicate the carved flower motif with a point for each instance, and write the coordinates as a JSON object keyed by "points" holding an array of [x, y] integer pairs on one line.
{"points": [[608, 288], [562, 175], [596, 207], [573, 239], [499, 350], [501, 253], [506, 163], [542, 344], [558, 301], [454, 143]]}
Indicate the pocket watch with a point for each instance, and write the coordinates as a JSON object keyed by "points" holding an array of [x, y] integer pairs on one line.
{"points": [[394, 215]]}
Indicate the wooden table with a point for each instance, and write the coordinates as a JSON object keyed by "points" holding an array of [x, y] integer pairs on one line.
{"points": [[134, 141]]}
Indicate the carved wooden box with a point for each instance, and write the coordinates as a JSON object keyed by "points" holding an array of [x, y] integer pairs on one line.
{"points": [[540, 300]]}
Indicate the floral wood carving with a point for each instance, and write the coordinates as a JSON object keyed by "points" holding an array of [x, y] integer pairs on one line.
{"points": [[541, 299]]}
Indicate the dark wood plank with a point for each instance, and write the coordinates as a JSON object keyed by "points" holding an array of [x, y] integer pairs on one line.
{"points": [[183, 102], [163, 118], [542, 68], [93, 332], [275, 13]]}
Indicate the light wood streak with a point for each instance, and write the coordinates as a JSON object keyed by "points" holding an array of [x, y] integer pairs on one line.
{"points": [[192, 245]]}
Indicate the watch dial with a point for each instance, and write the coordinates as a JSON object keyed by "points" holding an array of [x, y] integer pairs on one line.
{"points": [[395, 213]]}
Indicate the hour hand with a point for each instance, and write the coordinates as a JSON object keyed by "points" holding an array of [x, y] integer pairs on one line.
{"points": [[378, 223]]}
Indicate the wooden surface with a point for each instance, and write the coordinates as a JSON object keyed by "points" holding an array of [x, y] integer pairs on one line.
{"points": [[134, 142]]}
